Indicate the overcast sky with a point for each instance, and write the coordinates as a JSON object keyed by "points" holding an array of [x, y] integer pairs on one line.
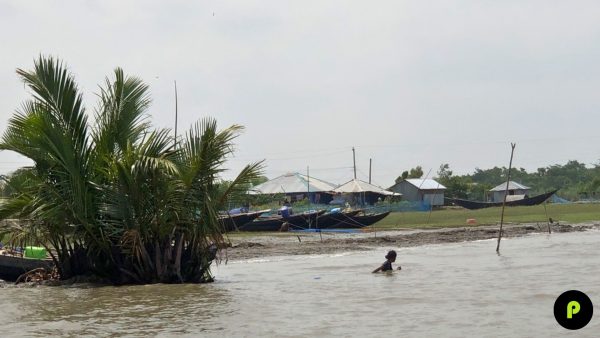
{"points": [[406, 83]]}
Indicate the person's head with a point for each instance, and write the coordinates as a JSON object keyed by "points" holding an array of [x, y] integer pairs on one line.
{"points": [[391, 256]]}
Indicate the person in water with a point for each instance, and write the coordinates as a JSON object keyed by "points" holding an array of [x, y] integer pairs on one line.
{"points": [[387, 266]]}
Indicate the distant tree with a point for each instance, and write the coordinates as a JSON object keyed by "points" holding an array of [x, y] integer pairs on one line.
{"points": [[402, 177], [444, 171], [456, 186], [416, 172]]}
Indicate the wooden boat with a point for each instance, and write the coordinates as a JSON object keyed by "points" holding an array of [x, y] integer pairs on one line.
{"points": [[274, 223], [11, 267], [473, 205], [232, 222], [271, 223], [360, 221], [329, 220]]}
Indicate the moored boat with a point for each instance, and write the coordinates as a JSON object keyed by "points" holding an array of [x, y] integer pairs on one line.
{"points": [[11, 267], [330, 219], [528, 201], [361, 221], [274, 223], [232, 222]]}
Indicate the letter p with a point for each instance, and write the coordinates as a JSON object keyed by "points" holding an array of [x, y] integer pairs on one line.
{"points": [[572, 308]]}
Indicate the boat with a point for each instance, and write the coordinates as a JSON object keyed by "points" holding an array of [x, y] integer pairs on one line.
{"points": [[330, 219], [274, 223], [232, 222], [271, 223], [361, 221], [304, 220], [528, 201], [11, 267]]}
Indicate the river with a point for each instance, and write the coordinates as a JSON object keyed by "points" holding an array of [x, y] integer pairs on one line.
{"points": [[447, 290]]}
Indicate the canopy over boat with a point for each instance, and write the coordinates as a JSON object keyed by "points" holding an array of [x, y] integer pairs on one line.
{"points": [[292, 183], [356, 185]]}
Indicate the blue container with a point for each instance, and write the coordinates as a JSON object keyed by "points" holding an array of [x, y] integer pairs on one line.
{"points": [[285, 212]]}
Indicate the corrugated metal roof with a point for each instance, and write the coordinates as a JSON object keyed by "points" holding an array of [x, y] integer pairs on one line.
{"points": [[292, 183], [511, 186], [425, 183], [357, 185]]}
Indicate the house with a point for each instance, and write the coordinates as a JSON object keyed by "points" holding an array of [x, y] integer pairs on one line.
{"points": [[515, 191], [296, 187], [359, 192], [426, 191]]}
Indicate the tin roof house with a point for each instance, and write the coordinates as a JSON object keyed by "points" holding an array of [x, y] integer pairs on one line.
{"points": [[426, 191], [515, 191]]}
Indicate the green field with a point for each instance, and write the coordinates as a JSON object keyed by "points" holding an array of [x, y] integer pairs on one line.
{"points": [[569, 213]]}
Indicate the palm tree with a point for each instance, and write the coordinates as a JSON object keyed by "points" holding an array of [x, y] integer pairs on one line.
{"points": [[118, 199]]}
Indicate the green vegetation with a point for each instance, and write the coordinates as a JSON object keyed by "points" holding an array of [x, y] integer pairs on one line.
{"points": [[115, 198], [457, 217], [574, 180]]}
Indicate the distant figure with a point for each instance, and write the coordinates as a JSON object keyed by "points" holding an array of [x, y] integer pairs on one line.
{"points": [[387, 266]]}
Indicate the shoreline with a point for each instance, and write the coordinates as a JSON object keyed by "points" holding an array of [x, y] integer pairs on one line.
{"points": [[289, 244]]}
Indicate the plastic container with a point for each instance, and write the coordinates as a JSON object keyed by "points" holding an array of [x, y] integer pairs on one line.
{"points": [[285, 212], [36, 252]]}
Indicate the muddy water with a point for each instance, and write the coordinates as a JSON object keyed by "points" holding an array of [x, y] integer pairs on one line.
{"points": [[450, 290]]}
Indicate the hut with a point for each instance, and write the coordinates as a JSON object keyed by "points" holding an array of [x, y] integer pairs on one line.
{"points": [[515, 191], [426, 191], [296, 187], [359, 192]]}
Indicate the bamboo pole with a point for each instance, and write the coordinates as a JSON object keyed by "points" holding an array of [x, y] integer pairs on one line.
{"points": [[547, 218], [370, 162], [354, 161], [512, 150], [175, 82]]}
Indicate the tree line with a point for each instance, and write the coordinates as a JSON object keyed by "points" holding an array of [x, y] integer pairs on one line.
{"points": [[574, 179]]}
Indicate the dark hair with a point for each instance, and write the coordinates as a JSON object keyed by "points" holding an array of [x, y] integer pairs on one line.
{"points": [[390, 254]]}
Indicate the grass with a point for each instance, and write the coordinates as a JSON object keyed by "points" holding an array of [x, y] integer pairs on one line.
{"points": [[457, 217], [447, 218]]}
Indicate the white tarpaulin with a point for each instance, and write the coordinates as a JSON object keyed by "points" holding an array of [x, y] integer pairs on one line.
{"points": [[292, 183], [357, 185]]}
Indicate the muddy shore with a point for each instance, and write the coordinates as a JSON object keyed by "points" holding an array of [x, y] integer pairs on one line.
{"points": [[275, 244]]}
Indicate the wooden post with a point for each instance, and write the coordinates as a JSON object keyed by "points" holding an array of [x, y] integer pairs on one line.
{"points": [[175, 112], [308, 194], [512, 145], [354, 161], [547, 219], [370, 163]]}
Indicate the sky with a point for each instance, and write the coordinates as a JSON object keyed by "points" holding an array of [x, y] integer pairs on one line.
{"points": [[405, 83]]}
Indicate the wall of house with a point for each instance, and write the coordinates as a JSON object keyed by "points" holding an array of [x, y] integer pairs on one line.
{"points": [[411, 193], [498, 196]]}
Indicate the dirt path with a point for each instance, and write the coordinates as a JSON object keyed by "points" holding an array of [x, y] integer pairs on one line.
{"points": [[265, 245]]}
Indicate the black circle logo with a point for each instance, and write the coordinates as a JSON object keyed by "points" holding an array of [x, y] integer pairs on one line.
{"points": [[573, 310]]}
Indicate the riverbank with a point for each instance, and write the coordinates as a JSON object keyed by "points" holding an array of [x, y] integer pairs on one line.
{"points": [[245, 247]]}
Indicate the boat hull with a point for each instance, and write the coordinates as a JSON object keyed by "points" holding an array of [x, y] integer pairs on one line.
{"points": [[11, 267], [274, 223], [474, 205], [234, 222], [329, 220], [361, 221]]}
